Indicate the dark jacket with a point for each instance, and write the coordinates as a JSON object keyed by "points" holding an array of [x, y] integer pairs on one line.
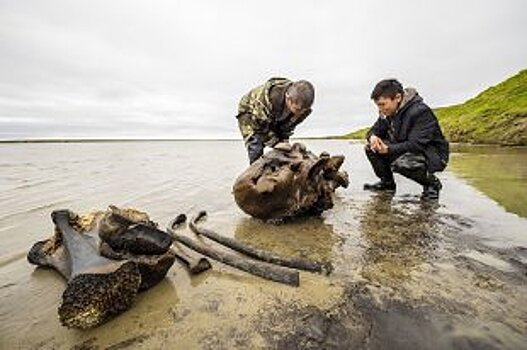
{"points": [[414, 128]]}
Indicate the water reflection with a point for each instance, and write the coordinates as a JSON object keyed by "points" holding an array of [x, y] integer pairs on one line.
{"points": [[399, 235], [500, 173], [309, 238]]}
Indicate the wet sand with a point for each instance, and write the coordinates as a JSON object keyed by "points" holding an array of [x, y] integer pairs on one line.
{"points": [[407, 274]]}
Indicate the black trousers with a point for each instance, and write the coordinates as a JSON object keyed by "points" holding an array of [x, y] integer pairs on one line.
{"points": [[410, 165]]}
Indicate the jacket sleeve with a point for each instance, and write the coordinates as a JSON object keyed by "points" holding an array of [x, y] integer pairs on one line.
{"points": [[255, 148], [380, 129], [421, 134], [252, 105]]}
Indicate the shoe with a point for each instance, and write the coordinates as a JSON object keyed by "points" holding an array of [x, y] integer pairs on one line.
{"points": [[381, 186], [431, 192]]}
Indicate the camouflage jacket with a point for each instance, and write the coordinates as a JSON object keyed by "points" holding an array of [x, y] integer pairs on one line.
{"points": [[261, 111]]}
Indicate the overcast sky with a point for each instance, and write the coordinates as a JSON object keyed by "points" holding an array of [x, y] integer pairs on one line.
{"points": [[177, 69]]}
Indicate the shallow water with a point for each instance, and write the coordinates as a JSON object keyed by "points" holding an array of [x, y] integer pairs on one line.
{"points": [[465, 258], [498, 172]]}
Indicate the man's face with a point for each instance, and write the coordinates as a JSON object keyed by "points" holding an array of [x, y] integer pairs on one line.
{"points": [[294, 107], [388, 105]]}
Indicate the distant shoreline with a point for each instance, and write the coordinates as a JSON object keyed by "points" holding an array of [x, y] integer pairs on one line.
{"points": [[144, 140], [88, 140], [105, 140], [327, 138], [140, 140], [150, 140]]}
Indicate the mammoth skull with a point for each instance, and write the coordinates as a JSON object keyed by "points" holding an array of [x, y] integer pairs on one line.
{"points": [[289, 181]]}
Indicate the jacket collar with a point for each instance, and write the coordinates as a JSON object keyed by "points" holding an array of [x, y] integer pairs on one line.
{"points": [[410, 96]]}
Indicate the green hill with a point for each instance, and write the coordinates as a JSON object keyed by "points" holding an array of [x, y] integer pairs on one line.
{"points": [[498, 115], [355, 135]]}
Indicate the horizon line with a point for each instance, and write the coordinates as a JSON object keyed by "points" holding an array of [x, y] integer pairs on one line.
{"points": [[87, 140]]}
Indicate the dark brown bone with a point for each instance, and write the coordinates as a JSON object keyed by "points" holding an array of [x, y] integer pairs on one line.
{"points": [[194, 263], [153, 268], [119, 228], [288, 182], [257, 268], [259, 254], [97, 288], [86, 247]]}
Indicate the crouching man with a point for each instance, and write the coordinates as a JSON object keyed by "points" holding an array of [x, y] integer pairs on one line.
{"points": [[406, 139], [269, 113]]}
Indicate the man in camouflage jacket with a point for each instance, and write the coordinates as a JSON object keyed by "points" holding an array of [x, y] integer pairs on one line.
{"points": [[269, 113]]}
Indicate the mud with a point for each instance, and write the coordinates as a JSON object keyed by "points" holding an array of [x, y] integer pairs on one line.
{"points": [[445, 303]]}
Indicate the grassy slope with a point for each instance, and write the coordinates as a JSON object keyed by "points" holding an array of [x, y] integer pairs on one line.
{"points": [[355, 135], [497, 116]]}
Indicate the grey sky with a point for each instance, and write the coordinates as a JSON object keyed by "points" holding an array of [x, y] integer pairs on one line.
{"points": [[177, 69]]}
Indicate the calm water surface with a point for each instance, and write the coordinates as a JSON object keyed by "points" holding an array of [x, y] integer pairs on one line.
{"points": [[394, 243]]}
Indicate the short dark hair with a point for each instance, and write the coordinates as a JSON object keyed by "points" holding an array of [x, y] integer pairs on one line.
{"points": [[386, 88], [302, 92]]}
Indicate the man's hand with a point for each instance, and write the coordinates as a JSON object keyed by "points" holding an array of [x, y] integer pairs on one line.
{"points": [[377, 145], [283, 146], [375, 142], [383, 148]]}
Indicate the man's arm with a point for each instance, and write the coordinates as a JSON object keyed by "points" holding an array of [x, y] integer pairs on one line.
{"points": [[255, 147], [253, 140], [377, 132], [253, 122], [419, 136], [379, 129]]}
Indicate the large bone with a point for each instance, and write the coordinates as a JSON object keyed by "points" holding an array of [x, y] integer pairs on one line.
{"points": [[194, 263], [120, 229], [97, 287], [152, 238], [153, 268], [289, 181], [85, 244]]}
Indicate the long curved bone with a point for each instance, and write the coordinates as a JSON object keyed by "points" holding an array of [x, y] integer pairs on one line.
{"points": [[259, 254], [264, 270]]}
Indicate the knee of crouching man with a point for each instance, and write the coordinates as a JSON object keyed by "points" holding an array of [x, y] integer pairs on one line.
{"points": [[409, 162]]}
